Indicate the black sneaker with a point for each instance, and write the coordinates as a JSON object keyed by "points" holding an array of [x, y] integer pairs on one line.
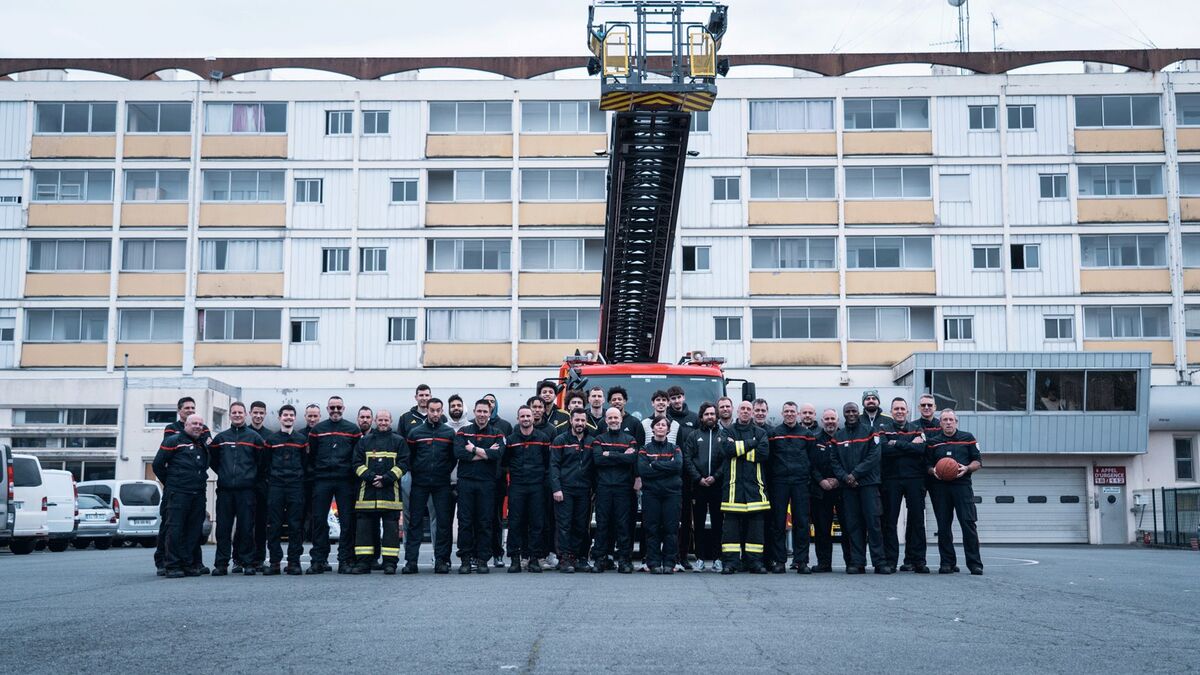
{"points": [[778, 568], [410, 567], [921, 569], [822, 569], [347, 568], [515, 568], [687, 566], [237, 569], [729, 569], [481, 567], [315, 568], [195, 571], [534, 566], [294, 570], [161, 571], [908, 567], [946, 569], [377, 566], [272, 571], [855, 569], [802, 568], [565, 566], [464, 567], [174, 574], [389, 569], [625, 567], [441, 567], [582, 566], [219, 571], [357, 569], [249, 571], [975, 570]]}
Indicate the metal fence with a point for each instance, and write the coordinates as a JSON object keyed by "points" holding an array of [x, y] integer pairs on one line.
{"points": [[1168, 516]]}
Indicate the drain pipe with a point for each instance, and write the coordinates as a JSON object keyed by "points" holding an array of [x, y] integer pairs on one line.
{"points": [[121, 411]]}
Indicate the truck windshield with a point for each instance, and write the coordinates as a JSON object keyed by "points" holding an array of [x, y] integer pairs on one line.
{"points": [[642, 387]]}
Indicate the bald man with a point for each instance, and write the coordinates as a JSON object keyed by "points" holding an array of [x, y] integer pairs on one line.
{"points": [[181, 463], [380, 461]]}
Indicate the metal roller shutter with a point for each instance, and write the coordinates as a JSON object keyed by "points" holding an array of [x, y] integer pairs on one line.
{"points": [[1027, 506]]}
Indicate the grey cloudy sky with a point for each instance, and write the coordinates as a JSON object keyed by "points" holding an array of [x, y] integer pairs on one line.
{"points": [[124, 28]]}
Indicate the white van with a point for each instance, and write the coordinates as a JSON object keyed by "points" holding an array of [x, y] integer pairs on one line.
{"points": [[7, 512], [62, 512], [135, 503], [30, 501]]}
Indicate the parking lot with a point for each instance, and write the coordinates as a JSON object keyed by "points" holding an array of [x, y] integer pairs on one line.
{"points": [[1037, 609]]}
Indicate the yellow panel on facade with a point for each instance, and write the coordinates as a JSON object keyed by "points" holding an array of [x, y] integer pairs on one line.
{"points": [[153, 145], [80, 355], [467, 354], [1191, 280], [817, 144], [71, 215], [1193, 351], [548, 353], [243, 145], [238, 354], [899, 282], [793, 283], [48, 284], [239, 285], [1162, 352], [1187, 139], [795, 353], [884, 353], [150, 354], [1118, 140], [468, 145], [1124, 281], [887, 143], [154, 284], [242, 215], [484, 214], [1116, 210], [134, 214], [467, 284], [1189, 208], [793, 213], [898, 212], [73, 146], [562, 145], [558, 283], [562, 213]]}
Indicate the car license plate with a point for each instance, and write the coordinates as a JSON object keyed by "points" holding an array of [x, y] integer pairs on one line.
{"points": [[142, 521], [94, 516]]}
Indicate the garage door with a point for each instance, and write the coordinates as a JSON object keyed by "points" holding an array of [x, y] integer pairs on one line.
{"points": [[1027, 506]]}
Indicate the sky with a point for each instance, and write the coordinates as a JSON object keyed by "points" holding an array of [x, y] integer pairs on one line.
{"points": [[228, 28]]}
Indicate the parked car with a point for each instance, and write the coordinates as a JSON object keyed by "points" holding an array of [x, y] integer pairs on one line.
{"points": [[30, 527], [8, 512], [62, 513], [135, 503], [97, 523]]}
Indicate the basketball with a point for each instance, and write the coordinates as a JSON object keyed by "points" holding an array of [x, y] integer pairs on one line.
{"points": [[946, 469]]}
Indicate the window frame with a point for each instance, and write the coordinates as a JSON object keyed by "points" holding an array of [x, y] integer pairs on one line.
{"points": [[900, 101], [1021, 109], [262, 105], [696, 256], [908, 324], [494, 103], [155, 312], [482, 185], [986, 249], [376, 256], [157, 118], [729, 321], [777, 323], [1134, 195], [371, 124], [961, 321], [763, 171], [551, 322], [408, 324], [454, 314], [309, 327], [1190, 460], [901, 197], [1186, 182], [12, 197], [1102, 100], [56, 269], [258, 256], [1059, 321], [408, 183], [904, 244], [1187, 103], [65, 314], [1025, 266], [808, 257], [581, 254], [62, 118], [775, 129], [593, 111], [229, 315], [187, 186], [85, 187], [335, 260], [721, 188], [258, 181], [1056, 179], [1112, 322], [580, 174], [1137, 247], [982, 110], [154, 244], [460, 253], [307, 190], [339, 122], [8, 329]]}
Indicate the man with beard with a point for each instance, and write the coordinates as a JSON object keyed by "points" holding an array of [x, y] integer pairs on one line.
{"points": [[478, 448], [331, 450], [365, 418], [416, 414], [570, 487], [855, 463], [526, 457], [431, 463], [185, 408], [725, 412], [455, 419], [872, 415], [688, 421], [704, 469], [955, 496], [182, 463]]}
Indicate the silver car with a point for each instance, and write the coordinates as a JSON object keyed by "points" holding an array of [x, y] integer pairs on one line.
{"points": [[97, 523]]}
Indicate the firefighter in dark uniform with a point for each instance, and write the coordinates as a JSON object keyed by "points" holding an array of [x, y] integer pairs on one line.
{"points": [[791, 470], [702, 462], [614, 454], [380, 461], [560, 419], [430, 461], [478, 448], [855, 462], [617, 398], [236, 454], [182, 463], [331, 452], [688, 422], [826, 495], [571, 487], [660, 468], [287, 451], [902, 446], [186, 407], [258, 415], [744, 494], [526, 457], [955, 496], [872, 415]]}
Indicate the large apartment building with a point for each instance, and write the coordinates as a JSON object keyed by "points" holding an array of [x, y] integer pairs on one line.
{"points": [[286, 239]]}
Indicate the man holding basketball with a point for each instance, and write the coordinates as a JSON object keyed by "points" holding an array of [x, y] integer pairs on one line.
{"points": [[953, 455]]}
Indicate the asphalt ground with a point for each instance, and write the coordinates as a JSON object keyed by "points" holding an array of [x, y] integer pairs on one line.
{"points": [[1036, 609]]}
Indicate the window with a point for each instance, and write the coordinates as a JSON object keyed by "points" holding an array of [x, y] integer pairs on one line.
{"points": [[981, 117], [886, 113], [794, 323], [560, 324], [245, 118], [1185, 459], [467, 255], [727, 328], [695, 258], [1191, 250], [561, 185], [339, 122], [1112, 391], [372, 259], [85, 417], [239, 325], [156, 186], [335, 260], [889, 324], [241, 255], [889, 252], [466, 325], [402, 329], [10, 190], [8, 326], [76, 118], [1120, 180], [955, 187], [1187, 110], [1125, 250], [959, 328], [1024, 256], [153, 255], [985, 257], [309, 190], [470, 185], [1059, 327], [1189, 180], [803, 115], [562, 117], [727, 188], [470, 117], [1124, 322], [981, 391], [1117, 111], [69, 255], [791, 183], [699, 122], [561, 255], [243, 186], [93, 185], [376, 122], [66, 325], [159, 118], [1020, 117], [1058, 390], [1053, 185], [404, 190], [793, 253], [304, 331], [160, 417], [150, 325], [887, 182], [1191, 322]]}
